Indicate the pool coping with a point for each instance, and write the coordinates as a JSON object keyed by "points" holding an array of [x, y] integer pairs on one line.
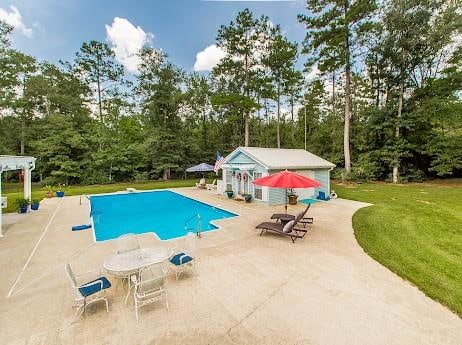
{"points": [[217, 227]]}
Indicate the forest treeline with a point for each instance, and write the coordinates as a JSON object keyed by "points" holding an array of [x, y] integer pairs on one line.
{"points": [[375, 87]]}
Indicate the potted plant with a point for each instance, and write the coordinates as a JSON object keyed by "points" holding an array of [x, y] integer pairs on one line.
{"points": [[22, 205], [230, 193], [48, 191], [60, 189], [35, 204], [247, 197], [292, 197]]}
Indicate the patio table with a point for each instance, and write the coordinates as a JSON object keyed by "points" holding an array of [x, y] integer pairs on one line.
{"points": [[283, 218], [129, 263]]}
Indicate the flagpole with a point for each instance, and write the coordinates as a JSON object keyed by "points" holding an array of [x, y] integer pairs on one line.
{"points": [[304, 107]]}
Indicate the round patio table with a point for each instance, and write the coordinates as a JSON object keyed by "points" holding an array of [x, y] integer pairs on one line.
{"points": [[129, 263]]}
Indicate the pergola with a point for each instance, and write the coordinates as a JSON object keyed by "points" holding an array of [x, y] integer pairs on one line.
{"points": [[27, 164]]}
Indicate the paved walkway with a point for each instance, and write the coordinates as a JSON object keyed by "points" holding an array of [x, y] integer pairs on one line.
{"points": [[249, 289]]}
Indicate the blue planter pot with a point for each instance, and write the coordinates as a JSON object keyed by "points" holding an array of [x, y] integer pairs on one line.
{"points": [[34, 207], [23, 209], [59, 194]]}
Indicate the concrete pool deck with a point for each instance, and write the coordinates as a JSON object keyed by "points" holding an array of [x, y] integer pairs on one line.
{"points": [[248, 289]]}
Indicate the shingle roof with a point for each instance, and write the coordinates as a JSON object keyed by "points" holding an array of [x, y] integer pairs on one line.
{"points": [[274, 159]]}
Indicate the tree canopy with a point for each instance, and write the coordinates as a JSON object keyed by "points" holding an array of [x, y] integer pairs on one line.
{"points": [[375, 87]]}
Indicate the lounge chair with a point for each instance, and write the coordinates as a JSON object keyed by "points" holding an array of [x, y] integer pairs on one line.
{"points": [[150, 286], [89, 290], [184, 257], [287, 217], [201, 184], [212, 186], [281, 229]]}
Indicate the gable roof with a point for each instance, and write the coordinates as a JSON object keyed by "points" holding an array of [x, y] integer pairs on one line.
{"points": [[274, 159]]}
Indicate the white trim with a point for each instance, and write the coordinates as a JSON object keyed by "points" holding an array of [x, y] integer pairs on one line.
{"points": [[240, 149]]}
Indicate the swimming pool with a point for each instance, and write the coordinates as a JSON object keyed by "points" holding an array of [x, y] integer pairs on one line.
{"points": [[166, 213]]}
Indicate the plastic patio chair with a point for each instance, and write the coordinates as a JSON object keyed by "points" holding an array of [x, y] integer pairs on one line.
{"points": [[150, 286], [127, 243]]}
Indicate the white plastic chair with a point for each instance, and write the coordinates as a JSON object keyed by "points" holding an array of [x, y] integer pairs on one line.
{"points": [[212, 186], [89, 290], [150, 286], [127, 243]]}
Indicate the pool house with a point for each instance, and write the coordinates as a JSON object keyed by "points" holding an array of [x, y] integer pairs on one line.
{"points": [[245, 164]]}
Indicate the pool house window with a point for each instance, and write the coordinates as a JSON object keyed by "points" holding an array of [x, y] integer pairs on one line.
{"points": [[229, 179], [258, 194]]}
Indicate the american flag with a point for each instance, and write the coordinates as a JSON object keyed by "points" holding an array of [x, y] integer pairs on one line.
{"points": [[219, 162]]}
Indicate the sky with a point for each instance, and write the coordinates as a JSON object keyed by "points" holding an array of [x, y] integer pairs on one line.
{"points": [[186, 30]]}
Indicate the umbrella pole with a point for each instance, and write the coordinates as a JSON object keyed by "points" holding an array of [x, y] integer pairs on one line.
{"points": [[286, 202]]}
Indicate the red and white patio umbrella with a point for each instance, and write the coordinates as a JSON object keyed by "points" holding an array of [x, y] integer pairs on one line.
{"points": [[287, 179]]}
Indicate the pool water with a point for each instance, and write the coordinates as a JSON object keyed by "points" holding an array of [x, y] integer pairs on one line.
{"points": [[166, 213]]}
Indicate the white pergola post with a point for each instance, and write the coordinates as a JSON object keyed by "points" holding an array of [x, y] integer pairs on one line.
{"points": [[8, 163], [1, 208], [27, 183]]}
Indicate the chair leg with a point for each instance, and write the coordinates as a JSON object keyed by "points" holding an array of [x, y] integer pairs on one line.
{"points": [[166, 301], [136, 310]]}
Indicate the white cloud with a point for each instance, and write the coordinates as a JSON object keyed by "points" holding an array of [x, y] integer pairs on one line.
{"points": [[313, 73], [14, 18], [127, 40], [208, 58]]}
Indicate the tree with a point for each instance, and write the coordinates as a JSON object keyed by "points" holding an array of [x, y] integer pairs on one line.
{"points": [[416, 35], [159, 88], [18, 72], [198, 97], [242, 41], [333, 29], [279, 57], [95, 62]]}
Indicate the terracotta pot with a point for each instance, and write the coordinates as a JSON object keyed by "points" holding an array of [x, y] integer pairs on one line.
{"points": [[49, 194], [293, 199]]}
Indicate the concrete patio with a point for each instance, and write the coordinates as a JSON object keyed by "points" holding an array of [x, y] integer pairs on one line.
{"points": [[248, 289]]}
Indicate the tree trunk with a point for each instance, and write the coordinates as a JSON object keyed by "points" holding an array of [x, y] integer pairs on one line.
{"points": [[100, 107], [110, 172], [204, 132], [23, 117], [346, 129], [278, 134], [266, 124], [247, 93], [333, 92], [292, 128], [166, 174], [398, 124], [23, 136], [246, 129]]}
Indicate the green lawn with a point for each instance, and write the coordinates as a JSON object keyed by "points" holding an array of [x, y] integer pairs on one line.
{"points": [[14, 190], [416, 231]]}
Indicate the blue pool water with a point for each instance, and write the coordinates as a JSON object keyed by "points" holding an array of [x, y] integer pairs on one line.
{"points": [[168, 214]]}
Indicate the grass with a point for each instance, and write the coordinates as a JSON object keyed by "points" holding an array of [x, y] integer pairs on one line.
{"points": [[416, 231], [15, 190]]}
